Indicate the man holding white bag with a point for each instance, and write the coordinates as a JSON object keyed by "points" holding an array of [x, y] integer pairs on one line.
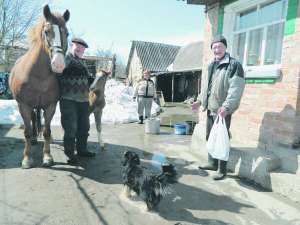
{"points": [[220, 95]]}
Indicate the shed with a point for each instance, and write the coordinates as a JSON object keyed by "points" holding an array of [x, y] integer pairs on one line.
{"points": [[183, 80], [155, 57], [96, 63]]}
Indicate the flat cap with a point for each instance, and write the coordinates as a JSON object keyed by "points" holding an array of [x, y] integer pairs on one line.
{"points": [[219, 38], [80, 41]]}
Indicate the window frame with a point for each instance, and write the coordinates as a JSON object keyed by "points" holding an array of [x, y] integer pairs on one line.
{"points": [[231, 15]]}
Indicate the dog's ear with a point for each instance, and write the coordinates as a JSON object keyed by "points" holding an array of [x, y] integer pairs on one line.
{"points": [[125, 158], [127, 155], [136, 159]]}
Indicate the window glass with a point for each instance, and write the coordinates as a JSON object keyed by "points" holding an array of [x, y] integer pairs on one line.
{"points": [[239, 46], [271, 12], [247, 19], [254, 47], [260, 27], [274, 44]]}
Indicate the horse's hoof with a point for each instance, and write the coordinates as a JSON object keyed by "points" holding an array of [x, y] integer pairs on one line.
{"points": [[27, 163], [103, 147], [48, 162]]}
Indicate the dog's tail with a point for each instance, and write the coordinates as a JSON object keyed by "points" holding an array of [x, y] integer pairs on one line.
{"points": [[170, 173], [162, 181]]}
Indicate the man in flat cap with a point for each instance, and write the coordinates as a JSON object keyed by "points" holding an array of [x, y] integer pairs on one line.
{"points": [[74, 102], [221, 94]]}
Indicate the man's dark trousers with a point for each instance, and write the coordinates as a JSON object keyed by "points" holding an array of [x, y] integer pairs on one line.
{"points": [[76, 125]]}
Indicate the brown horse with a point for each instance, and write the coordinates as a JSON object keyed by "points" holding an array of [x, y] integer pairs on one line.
{"points": [[33, 80]]}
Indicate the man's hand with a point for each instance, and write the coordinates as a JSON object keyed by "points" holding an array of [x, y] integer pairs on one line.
{"points": [[134, 98], [222, 111], [106, 72], [195, 106]]}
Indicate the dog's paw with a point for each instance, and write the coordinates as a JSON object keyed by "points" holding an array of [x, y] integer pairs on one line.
{"points": [[127, 192]]}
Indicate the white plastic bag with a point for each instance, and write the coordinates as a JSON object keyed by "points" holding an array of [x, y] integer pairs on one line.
{"points": [[218, 145]]}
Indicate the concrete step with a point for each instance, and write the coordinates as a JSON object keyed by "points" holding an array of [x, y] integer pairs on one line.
{"points": [[289, 159], [250, 163], [253, 164]]}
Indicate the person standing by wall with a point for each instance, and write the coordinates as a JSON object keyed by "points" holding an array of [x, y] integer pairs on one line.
{"points": [[74, 102], [145, 92], [220, 95]]}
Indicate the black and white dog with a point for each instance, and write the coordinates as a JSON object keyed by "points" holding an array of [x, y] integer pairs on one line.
{"points": [[151, 188]]}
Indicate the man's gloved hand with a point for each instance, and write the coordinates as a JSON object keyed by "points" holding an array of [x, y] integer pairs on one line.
{"points": [[134, 98]]}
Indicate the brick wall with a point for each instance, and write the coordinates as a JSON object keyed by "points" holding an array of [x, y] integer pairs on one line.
{"points": [[269, 113]]}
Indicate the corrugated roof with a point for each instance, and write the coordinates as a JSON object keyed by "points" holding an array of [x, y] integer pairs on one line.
{"points": [[202, 2], [189, 57], [153, 56]]}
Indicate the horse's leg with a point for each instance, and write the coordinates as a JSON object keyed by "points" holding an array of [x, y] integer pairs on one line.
{"points": [[25, 112], [98, 116], [48, 115], [34, 127]]}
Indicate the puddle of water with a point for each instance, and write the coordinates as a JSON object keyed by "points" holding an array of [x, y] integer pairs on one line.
{"points": [[170, 120]]}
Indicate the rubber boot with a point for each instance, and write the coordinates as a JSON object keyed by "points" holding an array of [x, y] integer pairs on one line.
{"points": [[211, 165], [141, 119], [81, 146], [221, 174], [69, 146]]}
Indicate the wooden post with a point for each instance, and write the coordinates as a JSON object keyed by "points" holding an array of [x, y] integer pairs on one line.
{"points": [[198, 79], [172, 87]]}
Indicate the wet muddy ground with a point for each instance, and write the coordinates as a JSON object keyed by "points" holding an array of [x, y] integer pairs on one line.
{"points": [[91, 193]]}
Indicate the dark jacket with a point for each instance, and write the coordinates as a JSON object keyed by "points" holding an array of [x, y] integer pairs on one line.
{"points": [[74, 81], [226, 88]]}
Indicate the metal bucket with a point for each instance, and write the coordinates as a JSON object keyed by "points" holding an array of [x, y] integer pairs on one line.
{"points": [[152, 126]]}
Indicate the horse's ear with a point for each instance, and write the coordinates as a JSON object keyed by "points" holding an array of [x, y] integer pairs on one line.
{"points": [[47, 13], [66, 15]]}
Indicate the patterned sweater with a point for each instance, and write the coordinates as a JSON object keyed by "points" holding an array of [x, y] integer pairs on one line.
{"points": [[74, 82]]}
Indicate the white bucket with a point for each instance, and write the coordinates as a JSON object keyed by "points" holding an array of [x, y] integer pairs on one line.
{"points": [[152, 126]]}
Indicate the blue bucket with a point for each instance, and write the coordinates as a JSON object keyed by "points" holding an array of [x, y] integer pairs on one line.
{"points": [[180, 128]]}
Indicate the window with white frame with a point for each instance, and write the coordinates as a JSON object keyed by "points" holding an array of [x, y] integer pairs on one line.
{"points": [[258, 33]]}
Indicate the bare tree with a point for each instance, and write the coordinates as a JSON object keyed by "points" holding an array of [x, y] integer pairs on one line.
{"points": [[16, 17]]}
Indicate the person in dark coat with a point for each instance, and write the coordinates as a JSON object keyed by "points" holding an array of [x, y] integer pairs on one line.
{"points": [[221, 94], [74, 102]]}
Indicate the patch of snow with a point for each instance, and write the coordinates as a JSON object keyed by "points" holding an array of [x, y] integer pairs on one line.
{"points": [[120, 107]]}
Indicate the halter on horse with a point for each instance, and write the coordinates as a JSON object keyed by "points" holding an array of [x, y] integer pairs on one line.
{"points": [[33, 79]]}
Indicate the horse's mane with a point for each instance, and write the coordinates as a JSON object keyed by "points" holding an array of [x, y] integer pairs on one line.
{"points": [[35, 33]]}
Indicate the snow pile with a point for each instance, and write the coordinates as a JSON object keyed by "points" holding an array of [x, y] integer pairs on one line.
{"points": [[120, 107], [9, 112]]}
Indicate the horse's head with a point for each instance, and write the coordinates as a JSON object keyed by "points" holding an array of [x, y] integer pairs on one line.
{"points": [[54, 34], [100, 81]]}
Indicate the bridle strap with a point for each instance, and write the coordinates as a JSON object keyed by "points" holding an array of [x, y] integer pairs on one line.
{"points": [[56, 46]]}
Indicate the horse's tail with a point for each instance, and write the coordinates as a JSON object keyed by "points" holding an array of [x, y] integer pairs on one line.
{"points": [[39, 122]]}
